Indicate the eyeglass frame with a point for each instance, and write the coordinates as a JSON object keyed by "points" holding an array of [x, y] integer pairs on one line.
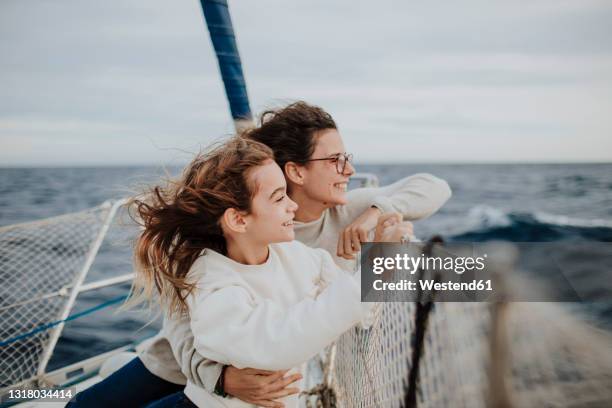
{"points": [[348, 158]]}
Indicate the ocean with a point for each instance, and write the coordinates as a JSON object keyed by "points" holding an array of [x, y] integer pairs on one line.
{"points": [[509, 202]]}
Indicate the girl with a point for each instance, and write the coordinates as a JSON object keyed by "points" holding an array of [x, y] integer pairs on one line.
{"points": [[218, 247]]}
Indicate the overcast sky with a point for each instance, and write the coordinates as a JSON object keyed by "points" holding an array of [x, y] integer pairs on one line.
{"points": [[136, 82]]}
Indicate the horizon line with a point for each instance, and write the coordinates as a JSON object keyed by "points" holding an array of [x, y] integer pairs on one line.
{"points": [[365, 163]]}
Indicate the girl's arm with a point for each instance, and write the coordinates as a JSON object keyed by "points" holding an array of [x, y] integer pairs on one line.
{"points": [[229, 327]]}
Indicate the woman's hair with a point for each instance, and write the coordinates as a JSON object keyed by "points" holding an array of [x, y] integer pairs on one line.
{"points": [[290, 131], [182, 218]]}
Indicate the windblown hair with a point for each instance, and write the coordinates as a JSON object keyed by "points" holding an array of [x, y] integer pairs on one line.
{"points": [[182, 218], [290, 131]]}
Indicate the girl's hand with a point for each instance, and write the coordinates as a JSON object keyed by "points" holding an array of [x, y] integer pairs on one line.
{"points": [[391, 228], [259, 387], [349, 241]]}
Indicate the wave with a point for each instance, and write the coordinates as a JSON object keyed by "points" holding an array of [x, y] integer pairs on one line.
{"points": [[563, 220], [485, 223]]}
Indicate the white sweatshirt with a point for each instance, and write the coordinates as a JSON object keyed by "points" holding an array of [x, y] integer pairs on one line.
{"points": [[171, 355], [272, 316]]}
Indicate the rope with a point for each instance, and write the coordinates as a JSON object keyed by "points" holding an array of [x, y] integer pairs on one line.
{"points": [[326, 397], [422, 312], [71, 317], [62, 292], [324, 393]]}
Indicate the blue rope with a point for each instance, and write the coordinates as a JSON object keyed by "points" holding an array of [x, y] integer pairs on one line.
{"points": [[71, 317]]}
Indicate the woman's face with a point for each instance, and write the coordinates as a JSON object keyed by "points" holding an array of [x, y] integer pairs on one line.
{"points": [[272, 211], [322, 182]]}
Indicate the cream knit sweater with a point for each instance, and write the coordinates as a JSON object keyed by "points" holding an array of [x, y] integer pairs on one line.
{"points": [[272, 316]]}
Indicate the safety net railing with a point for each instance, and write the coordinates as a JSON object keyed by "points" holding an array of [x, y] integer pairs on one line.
{"points": [[42, 267]]}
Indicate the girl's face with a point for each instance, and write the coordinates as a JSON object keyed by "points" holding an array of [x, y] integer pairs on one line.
{"points": [[272, 211], [322, 182]]}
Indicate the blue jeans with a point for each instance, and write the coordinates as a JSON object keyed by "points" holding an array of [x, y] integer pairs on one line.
{"points": [[130, 386], [176, 400]]}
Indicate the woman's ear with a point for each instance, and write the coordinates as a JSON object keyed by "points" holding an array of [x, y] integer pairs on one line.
{"points": [[294, 173], [234, 221]]}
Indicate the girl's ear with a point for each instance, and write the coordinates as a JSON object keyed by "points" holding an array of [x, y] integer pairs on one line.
{"points": [[294, 173], [234, 221]]}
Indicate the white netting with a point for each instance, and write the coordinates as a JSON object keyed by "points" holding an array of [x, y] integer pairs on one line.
{"points": [[39, 261], [456, 355], [543, 355], [371, 366]]}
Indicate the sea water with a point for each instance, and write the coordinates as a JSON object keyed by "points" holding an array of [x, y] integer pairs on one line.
{"points": [[512, 202]]}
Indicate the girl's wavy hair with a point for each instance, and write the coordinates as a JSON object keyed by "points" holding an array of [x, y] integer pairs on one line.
{"points": [[181, 218]]}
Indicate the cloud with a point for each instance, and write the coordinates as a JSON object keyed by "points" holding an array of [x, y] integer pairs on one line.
{"points": [[120, 82]]}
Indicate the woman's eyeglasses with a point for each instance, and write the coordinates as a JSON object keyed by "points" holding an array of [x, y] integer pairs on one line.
{"points": [[340, 160]]}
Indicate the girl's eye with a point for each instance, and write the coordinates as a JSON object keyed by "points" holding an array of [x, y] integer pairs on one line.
{"points": [[280, 199]]}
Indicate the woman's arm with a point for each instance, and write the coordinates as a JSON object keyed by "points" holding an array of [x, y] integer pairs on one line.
{"points": [[198, 369], [228, 327], [415, 197]]}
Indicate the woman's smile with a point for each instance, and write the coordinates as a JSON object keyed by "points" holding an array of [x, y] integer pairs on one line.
{"points": [[343, 186]]}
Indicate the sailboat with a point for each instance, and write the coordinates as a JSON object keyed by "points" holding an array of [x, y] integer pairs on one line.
{"points": [[415, 354]]}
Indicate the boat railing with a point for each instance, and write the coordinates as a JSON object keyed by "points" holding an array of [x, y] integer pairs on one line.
{"points": [[365, 179], [44, 264]]}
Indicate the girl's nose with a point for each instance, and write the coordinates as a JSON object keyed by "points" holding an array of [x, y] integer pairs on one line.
{"points": [[292, 206]]}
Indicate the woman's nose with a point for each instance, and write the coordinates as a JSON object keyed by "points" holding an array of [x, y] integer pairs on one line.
{"points": [[349, 170]]}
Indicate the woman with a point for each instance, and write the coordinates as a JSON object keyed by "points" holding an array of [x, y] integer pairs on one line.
{"points": [[310, 150]]}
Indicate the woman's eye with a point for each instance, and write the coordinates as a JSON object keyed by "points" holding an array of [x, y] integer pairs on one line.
{"points": [[280, 199]]}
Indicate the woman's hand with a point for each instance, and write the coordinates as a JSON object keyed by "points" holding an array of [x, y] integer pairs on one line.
{"points": [[349, 239], [259, 387], [391, 228]]}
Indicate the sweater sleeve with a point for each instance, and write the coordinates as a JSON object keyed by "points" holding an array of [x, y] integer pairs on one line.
{"points": [[330, 271], [231, 328], [415, 197], [197, 368]]}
